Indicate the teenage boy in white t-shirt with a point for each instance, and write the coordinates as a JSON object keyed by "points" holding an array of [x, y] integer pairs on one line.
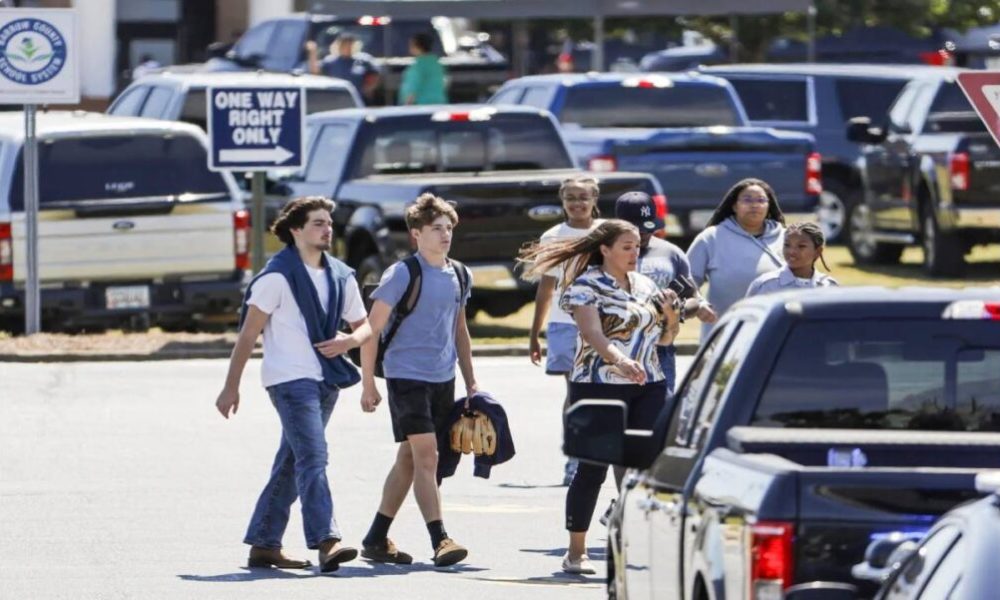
{"points": [[298, 302], [579, 202]]}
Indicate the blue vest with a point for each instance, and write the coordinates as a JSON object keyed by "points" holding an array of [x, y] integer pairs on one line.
{"points": [[337, 371]]}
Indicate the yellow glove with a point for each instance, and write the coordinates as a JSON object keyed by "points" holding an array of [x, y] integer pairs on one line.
{"points": [[466, 435], [456, 435]]}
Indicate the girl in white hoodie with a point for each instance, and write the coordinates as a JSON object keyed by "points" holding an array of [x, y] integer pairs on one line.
{"points": [[743, 241]]}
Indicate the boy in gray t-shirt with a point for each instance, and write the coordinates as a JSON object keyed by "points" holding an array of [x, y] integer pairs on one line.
{"points": [[419, 367]]}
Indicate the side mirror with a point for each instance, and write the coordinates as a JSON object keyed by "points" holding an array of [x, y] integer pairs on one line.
{"points": [[250, 60], [860, 131], [822, 590], [595, 432], [218, 49]]}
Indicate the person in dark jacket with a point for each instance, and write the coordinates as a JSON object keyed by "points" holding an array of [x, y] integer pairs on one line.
{"points": [[448, 459]]}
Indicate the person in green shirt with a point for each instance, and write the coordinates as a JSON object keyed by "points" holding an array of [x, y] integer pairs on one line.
{"points": [[423, 81]]}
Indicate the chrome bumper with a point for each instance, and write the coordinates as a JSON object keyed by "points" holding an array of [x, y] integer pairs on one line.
{"points": [[976, 218]]}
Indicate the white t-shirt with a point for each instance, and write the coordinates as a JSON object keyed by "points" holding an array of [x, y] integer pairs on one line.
{"points": [[288, 352], [562, 231]]}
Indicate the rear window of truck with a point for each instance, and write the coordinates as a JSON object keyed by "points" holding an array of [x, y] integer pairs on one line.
{"points": [[951, 112], [900, 374], [676, 106], [771, 100], [107, 168], [457, 144]]}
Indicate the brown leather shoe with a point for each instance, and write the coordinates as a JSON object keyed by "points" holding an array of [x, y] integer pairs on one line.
{"points": [[385, 553], [449, 553], [274, 557], [331, 554]]}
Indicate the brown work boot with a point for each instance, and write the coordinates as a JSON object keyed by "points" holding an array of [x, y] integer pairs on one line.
{"points": [[331, 554], [273, 557], [385, 553], [449, 553]]}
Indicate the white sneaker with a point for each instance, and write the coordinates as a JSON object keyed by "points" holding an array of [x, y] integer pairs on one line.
{"points": [[580, 566]]}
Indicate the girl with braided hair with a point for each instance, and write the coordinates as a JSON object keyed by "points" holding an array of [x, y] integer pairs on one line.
{"points": [[622, 316], [804, 243]]}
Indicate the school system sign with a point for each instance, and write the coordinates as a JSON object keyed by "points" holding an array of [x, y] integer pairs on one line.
{"points": [[39, 61]]}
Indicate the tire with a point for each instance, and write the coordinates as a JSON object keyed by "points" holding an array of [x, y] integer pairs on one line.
{"points": [[864, 249], [370, 270], [834, 205], [944, 253]]}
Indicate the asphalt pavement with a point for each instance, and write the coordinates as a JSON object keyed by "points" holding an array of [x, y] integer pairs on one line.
{"points": [[120, 480]]}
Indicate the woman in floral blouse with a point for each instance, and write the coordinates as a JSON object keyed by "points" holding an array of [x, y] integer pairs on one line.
{"points": [[622, 316]]}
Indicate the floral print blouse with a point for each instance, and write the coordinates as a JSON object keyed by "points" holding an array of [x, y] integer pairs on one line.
{"points": [[631, 321]]}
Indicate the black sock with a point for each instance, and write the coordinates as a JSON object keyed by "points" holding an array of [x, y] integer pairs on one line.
{"points": [[379, 531], [436, 529]]}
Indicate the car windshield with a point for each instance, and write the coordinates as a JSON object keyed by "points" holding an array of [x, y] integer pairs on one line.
{"points": [[891, 374], [677, 106], [106, 168], [374, 39], [503, 142], [951, 112]]}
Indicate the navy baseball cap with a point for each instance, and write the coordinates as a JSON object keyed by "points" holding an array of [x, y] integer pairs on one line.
{"points": [[640, 210]]}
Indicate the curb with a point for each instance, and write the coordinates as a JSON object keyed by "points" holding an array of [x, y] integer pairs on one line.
{"points": [[684, 349]]}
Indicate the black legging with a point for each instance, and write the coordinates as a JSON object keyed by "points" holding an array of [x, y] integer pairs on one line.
{"points": [[644, 404]]}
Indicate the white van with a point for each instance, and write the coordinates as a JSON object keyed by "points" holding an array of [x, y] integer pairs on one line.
{"points": [[133, 227]]}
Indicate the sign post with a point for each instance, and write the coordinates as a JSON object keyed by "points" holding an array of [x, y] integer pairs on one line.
{"points": [[255, 129], [982, 88], [38, 65]]}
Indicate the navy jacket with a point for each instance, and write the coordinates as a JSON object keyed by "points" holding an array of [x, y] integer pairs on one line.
{"points": [[448, 458], [337, 371]]}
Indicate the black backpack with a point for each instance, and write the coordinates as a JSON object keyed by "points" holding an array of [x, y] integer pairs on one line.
{"points": [[405, 306]]}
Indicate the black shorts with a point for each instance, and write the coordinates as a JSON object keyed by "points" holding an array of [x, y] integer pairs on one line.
{"points": [[419, 406]]}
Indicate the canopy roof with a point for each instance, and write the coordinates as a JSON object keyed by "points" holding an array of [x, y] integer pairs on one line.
{"points": [[520, 9]]}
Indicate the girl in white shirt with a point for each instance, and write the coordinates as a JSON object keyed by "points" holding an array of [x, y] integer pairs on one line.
{"points": [[804, 244]]}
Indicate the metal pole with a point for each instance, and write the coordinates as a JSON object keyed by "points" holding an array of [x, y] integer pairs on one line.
{"points": [[811, 26], [597, 58], [389, 73], [734, 39], [257, 218], [32, 304]]}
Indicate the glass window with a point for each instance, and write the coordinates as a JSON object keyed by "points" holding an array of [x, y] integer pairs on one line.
{"points": [[941, 375], [255, 40], [773, 100], [372, 39], [130, 103], [321, 100], [951, 112], [947, 575], [900, 112], [867, 97], [285, 50], [193, 110], [538, 97], [504, 142], [723, 375], [678, 106], [328, 153], [156, 104], [508, 96], [911, 575], [120, 166], [674, 464]]}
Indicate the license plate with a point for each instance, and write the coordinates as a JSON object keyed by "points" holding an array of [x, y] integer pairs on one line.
{"points": [[127, 296]]}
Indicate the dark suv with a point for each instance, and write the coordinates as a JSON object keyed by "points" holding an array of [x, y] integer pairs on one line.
{"points": [[819, 99]]}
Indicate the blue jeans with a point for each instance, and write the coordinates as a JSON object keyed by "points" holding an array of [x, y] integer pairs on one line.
{"points": [[304, 407]]}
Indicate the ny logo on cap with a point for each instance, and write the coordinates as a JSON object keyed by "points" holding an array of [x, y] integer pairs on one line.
{"points": [[644, 211]]}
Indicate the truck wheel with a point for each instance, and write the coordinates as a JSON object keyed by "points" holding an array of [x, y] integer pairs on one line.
{"points": [[832, 211], [944, 253], [370, 270], [861, 239]]}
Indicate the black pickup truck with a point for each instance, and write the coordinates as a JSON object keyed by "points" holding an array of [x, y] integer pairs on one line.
{"points": [[502, 167], [931, 175], [808, 425], [474, 68]]}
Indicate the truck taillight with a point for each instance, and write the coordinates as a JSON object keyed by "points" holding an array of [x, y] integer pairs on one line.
{"points": [[960, 171], [771, 559], [662, 208], [241, 238], [814, 174], [6, 253], [602, 164]]}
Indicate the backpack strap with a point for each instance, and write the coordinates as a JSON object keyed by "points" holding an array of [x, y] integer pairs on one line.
{"points": [[462, 273], [406, 303]]}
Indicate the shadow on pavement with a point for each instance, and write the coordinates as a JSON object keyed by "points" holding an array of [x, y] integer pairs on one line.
{"points": [[529, 486], [557, 578], [596, 553], [369, 570], [247, 574]]}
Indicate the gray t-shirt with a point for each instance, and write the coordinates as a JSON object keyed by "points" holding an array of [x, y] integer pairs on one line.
{"points": [[424, 345], [662, 262]]}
